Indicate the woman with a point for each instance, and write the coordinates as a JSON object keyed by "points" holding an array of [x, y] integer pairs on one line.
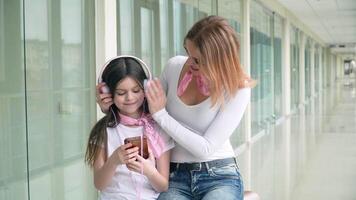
{"points": [[207, 94]]}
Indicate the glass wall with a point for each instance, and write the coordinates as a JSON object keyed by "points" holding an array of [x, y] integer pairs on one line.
{"points": [[232, 11], [316, 68], [307, 68], [47, 99], [261, 66], [13, 130], [294, 64], [277, 63]]}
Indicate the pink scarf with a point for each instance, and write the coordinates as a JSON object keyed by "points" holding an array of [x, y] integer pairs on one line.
{"points": [[201, 81], [155, 143]]}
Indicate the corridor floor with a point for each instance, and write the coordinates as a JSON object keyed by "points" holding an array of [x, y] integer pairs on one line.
{"points": [[312, 154]]}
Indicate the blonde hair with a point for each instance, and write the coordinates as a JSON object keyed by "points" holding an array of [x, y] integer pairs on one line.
{"points": [[219, 49]]}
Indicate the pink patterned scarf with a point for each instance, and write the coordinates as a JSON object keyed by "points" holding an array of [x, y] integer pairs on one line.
{"points": [[156, 143], [201, 81]]}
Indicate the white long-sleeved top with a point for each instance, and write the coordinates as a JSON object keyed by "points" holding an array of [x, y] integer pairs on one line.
{"points": [[201, 132]]}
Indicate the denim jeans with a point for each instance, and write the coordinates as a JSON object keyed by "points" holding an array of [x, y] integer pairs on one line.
{"points": [[208, 183]]}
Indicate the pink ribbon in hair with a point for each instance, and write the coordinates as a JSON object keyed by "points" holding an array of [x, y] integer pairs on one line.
{"points": [[201, 81], [156, 142]]}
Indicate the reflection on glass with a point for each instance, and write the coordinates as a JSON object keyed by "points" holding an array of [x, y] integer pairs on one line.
{"points": [[58, 96], [2, 40], [316, 70], [261, 67], [277, 62], [147, 38], [126, 27], [165, 26], [74, 75], [13, 160], [294, 71], [207, 6], [232, 11], [307, 69]]}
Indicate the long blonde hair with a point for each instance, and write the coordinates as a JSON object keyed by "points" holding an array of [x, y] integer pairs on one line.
{"points": [[219, 48]]}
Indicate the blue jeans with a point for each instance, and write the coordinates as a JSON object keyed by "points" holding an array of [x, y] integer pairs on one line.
{"points": [[206, 183]]}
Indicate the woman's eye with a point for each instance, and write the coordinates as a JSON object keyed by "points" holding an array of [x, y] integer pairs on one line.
{"points": [[136, 91], [196, 61]]}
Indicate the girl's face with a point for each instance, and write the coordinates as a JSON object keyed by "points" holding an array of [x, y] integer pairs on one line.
{"points": [[129, 97]]}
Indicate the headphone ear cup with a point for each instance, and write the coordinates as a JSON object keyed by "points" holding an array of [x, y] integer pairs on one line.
{"points": [[105, 89]]}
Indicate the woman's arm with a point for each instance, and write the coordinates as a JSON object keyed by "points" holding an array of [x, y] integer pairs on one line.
{"points": [[218, 132], [104, 169]]}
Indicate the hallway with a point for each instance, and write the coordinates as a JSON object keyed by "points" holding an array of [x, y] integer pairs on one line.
{"points": [[312, 154], [330, 171]]}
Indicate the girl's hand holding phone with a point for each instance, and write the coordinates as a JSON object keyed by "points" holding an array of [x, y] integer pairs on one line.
{"points": [[125, 154], [148, 165]]}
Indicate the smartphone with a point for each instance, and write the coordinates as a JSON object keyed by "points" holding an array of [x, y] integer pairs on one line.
{"points": [[136, 142]]}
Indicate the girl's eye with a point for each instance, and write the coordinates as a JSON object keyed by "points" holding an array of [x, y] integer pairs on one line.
{"points": [[120, 93], [137, 91]]}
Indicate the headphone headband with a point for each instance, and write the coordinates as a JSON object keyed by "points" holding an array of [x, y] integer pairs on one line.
{"points": [[142, 64]]}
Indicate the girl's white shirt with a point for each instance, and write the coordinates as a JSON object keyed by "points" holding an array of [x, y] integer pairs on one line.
{"points": [[124, 183]]}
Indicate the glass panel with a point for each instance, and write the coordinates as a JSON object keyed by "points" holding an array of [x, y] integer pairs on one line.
{"points": [[307, 76], [261, 67], [13, 153], [277, 60], [316, 69], [166, 31], [185, 15], [294, 71], [126, 29], [139, 31], [147, 37], [59, 65], [207, 7], [232, 11]]}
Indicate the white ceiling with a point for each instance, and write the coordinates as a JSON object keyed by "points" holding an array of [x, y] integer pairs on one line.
{"points": [[334, 21]]}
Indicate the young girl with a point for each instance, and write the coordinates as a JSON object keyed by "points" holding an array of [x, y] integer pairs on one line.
{"points": [[119, 171]]}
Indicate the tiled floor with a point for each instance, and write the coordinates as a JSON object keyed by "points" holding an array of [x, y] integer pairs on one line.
{"points": [[311, 155]]}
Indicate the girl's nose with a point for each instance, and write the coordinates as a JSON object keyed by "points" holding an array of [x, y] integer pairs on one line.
{"points": [[129, 96]]}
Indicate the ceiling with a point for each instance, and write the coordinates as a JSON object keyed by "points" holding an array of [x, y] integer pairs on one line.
{"points": [[334, 21]]}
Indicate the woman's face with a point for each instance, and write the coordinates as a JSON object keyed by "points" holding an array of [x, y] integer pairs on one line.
{"points": [[129, 97], [194, 60]]}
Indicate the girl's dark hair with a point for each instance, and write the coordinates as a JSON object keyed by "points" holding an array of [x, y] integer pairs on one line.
{"points": [[115, 71]]}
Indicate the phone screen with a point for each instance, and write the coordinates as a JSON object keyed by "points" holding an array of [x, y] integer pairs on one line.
{"points": [[136, 142]]}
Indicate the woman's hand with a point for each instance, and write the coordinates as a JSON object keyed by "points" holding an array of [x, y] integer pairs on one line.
{"points": [[124, 154], [156, 96], [103, 99], [148, 165]]}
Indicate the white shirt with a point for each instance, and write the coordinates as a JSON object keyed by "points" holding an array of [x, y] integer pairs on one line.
{"points": [[201, 133], [125, 183]]}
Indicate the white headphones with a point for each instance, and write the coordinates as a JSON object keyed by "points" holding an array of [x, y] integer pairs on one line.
{"points": [[143, 65]]}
